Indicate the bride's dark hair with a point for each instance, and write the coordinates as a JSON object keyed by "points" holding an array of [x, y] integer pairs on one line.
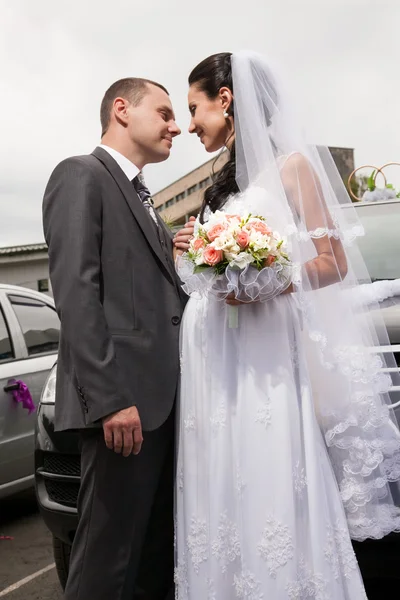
{"points": [[210, 76]]}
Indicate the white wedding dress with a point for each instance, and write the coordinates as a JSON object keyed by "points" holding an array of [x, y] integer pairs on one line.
{"points": [[258, 510]]}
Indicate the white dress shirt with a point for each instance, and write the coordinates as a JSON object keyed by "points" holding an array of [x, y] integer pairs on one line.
{"points": [[126, 165], [131, 171]]}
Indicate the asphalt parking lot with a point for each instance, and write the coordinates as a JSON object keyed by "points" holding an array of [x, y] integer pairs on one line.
{"points": [[27, 570], [28, 552]]}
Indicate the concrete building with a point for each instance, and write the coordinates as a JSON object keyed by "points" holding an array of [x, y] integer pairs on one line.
{"points": [[183, 198], [27, 266]]}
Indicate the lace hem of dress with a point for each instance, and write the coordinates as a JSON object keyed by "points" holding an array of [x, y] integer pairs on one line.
{"points": [[362, 437], [385, 520]]}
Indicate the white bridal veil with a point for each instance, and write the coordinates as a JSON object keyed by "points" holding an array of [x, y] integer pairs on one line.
{"points": [[304, 198]]}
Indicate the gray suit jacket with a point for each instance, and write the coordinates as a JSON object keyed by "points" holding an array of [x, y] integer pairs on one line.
{"points": [[116, 293]]}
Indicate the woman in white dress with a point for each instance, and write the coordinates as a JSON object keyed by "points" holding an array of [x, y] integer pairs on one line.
{"points": [[284, 423]]}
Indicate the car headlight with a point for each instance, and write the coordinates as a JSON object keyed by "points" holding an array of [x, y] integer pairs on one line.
{"points": [[49, 390]]}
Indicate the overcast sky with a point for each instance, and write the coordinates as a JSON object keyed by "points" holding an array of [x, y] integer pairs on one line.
{"points": [[58, 58]]}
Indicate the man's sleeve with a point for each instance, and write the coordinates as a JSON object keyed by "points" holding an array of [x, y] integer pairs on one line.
{"points": [[72, 220]]}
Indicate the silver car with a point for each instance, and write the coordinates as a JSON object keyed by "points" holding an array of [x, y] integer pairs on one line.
{"points": [[29, 335]]}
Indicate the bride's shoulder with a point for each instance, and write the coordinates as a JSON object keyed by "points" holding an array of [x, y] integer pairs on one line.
{"points": [[296, 167], [291, 161]]}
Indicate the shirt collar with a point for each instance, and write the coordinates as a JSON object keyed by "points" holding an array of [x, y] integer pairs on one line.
{"points": [[124, 163]]}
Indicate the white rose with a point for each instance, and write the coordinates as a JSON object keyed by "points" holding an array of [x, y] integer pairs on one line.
{"points": [[199, 259], [225, 241], [215, 218], [258, 241], [241, 260], [197, 227]]}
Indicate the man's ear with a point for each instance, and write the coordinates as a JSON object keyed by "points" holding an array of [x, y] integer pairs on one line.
{"points": [[120, 109]]}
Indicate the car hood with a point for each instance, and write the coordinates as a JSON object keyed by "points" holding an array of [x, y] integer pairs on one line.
{"points": [[390, 312]]}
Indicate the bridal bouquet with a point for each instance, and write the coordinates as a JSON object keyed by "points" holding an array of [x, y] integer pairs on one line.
{"points": [[237, 254]]}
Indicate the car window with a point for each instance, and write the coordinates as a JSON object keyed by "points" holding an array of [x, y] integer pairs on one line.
{"points": [[39, 323], [6, 349], [380, 246]]}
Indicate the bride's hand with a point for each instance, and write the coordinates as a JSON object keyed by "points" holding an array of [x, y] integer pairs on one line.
{"points": [[232, 301], [183, 237]]}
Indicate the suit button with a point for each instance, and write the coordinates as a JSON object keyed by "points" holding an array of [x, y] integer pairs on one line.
{"points": [[175, 320]]}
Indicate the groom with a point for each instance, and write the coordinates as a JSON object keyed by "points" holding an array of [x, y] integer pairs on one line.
{"points": [[120, 306]]}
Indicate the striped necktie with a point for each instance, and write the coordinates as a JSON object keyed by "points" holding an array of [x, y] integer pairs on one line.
{"points": [[145, 196]]}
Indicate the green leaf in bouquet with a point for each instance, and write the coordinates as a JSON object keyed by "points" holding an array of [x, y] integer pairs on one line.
{"points": [[259, 263], [390, 186], [191, 255], [220, 268], [201, 268], [202, 233], [371, 181]]}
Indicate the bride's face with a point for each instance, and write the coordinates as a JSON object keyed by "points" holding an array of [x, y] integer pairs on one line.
{"points": [[207, 119]]}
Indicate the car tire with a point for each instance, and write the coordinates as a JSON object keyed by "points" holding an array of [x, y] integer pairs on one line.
{"points": [[62, 553]]}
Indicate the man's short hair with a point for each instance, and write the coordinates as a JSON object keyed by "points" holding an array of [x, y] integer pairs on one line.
{"points": [[132, 88]]}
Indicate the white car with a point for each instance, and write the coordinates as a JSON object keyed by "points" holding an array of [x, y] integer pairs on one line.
{"points": [[29, 335]]}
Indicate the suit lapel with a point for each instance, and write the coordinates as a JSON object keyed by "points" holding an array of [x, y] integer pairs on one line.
{"points": [[132, 199]]}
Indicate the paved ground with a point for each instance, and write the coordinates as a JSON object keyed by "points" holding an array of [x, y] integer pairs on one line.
{"points": [[30, 551]]}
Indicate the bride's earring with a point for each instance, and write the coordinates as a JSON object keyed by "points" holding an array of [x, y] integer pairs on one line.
{"points": [[226, 115]]}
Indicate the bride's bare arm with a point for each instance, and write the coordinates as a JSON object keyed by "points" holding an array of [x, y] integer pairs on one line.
{"points": [[305, 194]]}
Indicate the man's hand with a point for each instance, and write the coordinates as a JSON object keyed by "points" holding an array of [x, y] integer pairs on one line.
{"points": [[123, 431], [183, 237]]}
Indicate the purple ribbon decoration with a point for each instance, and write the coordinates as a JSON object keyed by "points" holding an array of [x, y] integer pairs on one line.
{"points": [[23, 395]]}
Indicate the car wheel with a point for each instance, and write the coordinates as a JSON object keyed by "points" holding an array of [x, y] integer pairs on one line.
{"points": [[61, 552]]}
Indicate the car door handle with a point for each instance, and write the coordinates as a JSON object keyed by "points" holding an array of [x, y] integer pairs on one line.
{"points": [[22, 394], [12, 387]]}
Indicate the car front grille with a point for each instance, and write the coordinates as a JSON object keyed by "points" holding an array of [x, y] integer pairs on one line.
{"points": [[394, 371], [62, 492], [62, 464]]}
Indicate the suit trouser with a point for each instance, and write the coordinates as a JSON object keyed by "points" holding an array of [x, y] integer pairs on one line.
{"points": [[123, 547]]}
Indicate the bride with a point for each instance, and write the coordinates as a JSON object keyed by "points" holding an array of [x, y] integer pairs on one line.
{"points": [[287, 444]]}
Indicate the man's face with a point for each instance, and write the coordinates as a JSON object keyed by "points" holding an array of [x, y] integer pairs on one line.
{"points": [[151, 125]]}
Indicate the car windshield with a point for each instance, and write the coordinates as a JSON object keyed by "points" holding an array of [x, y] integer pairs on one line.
{"points": [[380, 246]]}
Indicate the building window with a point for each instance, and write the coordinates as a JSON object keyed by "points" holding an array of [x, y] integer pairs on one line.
{"points": [[180, 196], [43, 285], [39, 323], [6, 349], [205, 182], [192, 189], [170, 203]]}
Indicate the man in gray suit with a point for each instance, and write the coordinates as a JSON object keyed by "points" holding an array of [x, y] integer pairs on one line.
{"points": [[120, 306]]}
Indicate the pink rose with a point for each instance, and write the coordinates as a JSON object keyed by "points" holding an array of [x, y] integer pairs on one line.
{"points": [[211, 256], [270, 260], [243, 239], [233, 217], [216, 231], [260, 227], [198, 244]]}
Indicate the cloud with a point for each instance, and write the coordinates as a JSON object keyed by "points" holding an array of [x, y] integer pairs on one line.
{"points": [[341, 56]]}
